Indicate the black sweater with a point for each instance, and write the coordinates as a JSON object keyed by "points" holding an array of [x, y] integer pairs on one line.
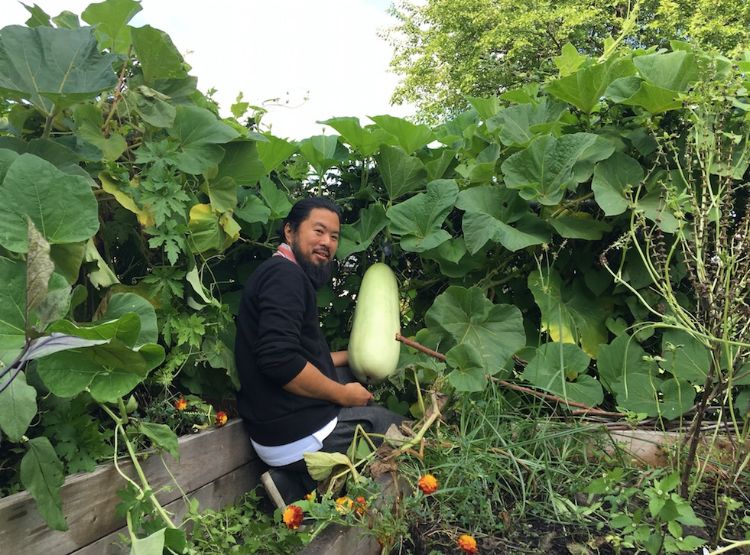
{"points": [[278, 332]]}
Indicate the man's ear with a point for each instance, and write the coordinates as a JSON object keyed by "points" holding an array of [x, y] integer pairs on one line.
{"points": [[287, 234]]}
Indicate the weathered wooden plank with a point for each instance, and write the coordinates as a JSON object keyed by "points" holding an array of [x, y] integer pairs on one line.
{"points": [[89, 499], [223, 491]]}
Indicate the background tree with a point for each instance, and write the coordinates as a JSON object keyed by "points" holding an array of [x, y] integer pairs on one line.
{"points": [[446, 50]]}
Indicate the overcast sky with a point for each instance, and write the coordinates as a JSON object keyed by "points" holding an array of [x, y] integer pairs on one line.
{"points": [[325, 50]]}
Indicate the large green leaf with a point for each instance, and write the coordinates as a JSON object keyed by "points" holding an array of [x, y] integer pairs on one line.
{"points": [[585, 88], [579, 225], [153, 106], [41, 474], [674, 71], [162, 436], [483, 167], [400, 172], [274, 151], [560, 369], [410, 136], [685, 357], [242, 163], [613, 181], [276, 199], [468, 372], [365, 140], [157, 55], [418, 220], [358, 236], [17, 406], [110, 20], [89, 122], [621, 358], [489, 212], [12, 309], [547, 167], [570, 315], [125, 328], [323, 152], [519, 124], [467, 316], [453, 258], [199, 132], [254, 210], [62, 207], [111, 370], [654, 99], [53, 67], [120, 304]]}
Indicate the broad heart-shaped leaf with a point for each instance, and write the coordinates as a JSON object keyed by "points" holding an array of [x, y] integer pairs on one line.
{"points": [[153, 544], [516, 123], [482, 168], [17, 406], [162, 436], [126, 328], [453, 258], [254, 211], [89, 123], [674, 71], [400, 172], [654, 99], [485, 107], [53, 68], [153, 106], [365, 140], [685, 357], [418, 220], [242, 163], [649, 394], [206, 230], [111, 370], [358, 236], [585, 88], [579, 225], [276, 199], [621, 358], [62, 207], [274, 151], [467, 316], [323, 152], [569, 60], [577, 317], [560, 369], [223, 194], [120, 304], [42, 475], [489, 211], [614, 179], [109, 19], [547, 167], [199, 132], [468, 372], [157, 55], [411, 137], [12, 310]]}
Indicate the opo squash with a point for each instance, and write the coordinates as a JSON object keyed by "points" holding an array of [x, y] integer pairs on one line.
{"points": [[373, 349]]}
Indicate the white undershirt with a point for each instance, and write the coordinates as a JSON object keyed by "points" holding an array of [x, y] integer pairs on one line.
{"points": [[279, 455]]}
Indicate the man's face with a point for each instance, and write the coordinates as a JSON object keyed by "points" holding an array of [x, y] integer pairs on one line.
{"points": [[314, 244]]}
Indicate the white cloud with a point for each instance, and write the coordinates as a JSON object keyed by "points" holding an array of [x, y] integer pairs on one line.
{"points": [[325, 50]]}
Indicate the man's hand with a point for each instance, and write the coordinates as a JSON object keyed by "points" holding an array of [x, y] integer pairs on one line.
{"points": [[355, 395], [310, 382]]}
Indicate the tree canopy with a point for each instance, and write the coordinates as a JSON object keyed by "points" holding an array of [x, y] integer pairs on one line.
{"points": [[446, 50]]}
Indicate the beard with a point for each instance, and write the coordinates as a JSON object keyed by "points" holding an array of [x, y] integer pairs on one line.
{"points": [[319, 274]]}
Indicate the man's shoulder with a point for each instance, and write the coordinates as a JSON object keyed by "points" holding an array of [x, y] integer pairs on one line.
{"points": [[277, 268]]}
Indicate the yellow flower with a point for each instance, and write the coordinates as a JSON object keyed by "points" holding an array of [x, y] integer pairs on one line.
{"points": [[292, 516], [467, 544], [310, 496], [221, 418], [180, 404], [428, 484], [344, 505]]}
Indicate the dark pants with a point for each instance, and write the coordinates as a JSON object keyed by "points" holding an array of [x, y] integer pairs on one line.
{"points": [[373, 419]]}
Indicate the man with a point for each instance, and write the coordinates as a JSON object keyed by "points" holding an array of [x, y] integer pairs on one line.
{"points": [[296, 395]]}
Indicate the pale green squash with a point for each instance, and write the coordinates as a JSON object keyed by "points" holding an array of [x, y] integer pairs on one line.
{"points": [[373, 348]]}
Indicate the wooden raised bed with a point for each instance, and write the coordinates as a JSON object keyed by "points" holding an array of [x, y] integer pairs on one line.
{"points": [[216, 467]]}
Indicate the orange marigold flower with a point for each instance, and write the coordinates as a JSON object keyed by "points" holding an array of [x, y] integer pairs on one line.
{"points": [[360, 505], [292, 516], [344, 504], [180, 404], [221, 418], [428, 484], [467, 544]]}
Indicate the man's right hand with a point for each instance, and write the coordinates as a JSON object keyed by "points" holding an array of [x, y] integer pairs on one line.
{"points": [[355, 395]]}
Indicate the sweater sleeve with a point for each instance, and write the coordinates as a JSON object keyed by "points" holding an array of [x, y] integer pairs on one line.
{"points": [[281, 309]]}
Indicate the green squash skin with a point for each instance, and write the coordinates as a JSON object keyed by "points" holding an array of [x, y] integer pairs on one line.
{"points": [[373, 348]]}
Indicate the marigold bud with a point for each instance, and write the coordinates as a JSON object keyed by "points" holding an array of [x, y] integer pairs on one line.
{"points": [[180, 404], [221, 418], [292, 516], [467, 544], [428, 484]]}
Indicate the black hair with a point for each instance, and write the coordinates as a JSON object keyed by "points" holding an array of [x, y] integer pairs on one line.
{"points": [[301, 211]]}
